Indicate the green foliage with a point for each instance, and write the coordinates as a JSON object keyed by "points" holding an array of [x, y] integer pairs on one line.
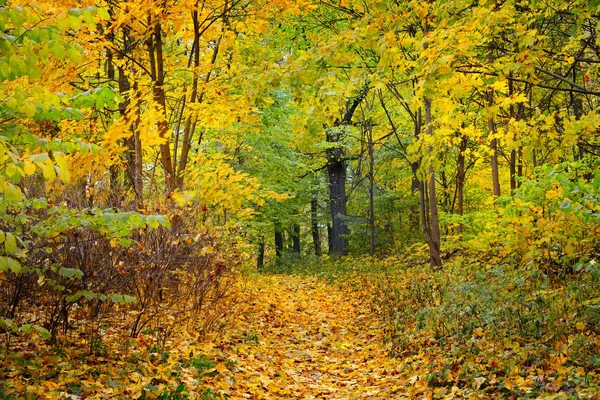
{"points": [[34, 234], [491, 320], [554, 219]]}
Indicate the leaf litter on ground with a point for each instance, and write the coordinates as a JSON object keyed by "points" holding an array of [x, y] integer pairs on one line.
{"points": [[291, 336]]}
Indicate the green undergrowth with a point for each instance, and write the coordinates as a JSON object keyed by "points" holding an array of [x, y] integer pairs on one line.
{"points": [[503, 328], [489, 324], [330, 268]]}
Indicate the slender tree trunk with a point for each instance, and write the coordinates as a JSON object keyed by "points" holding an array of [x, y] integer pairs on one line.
{"points": [[130, 110], [513, 152], [435, 238], [460, 181], [415, 188], [278, 242], [492, 129], [337, 202], [155, 51], [296, 239], [494, 147], [329, 238], [314, 224], [115, 181], [260, 258], [336, 172], [369, 131]]}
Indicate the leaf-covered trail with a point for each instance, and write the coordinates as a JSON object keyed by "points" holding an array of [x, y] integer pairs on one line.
{"points": [[300, 337], [291, 337]]}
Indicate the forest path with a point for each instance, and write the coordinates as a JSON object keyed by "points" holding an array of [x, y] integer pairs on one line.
{"points": [[300, 337]]}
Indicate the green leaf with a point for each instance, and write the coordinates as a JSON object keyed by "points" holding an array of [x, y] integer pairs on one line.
{"points": [[124, 242], [74, 297], [76, 12], [71, 272], [89, 295], [103, 14], [58, 49], [13, 193], [43, 332], [152, 223], [74, 55], [8, 263], [10, 243], [129, 299], [117, 298], [8, 323], [38, 158]]}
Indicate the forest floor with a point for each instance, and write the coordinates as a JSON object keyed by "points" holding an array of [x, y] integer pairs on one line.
{"points": [[292, 337], [304, 338]]}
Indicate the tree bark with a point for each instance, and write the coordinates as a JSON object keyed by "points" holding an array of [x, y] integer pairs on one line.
{"points": [[460, 181], [155, 52], [278, 242], [492, 130], [434, 228], [369, 131], [260, 258], [494, 147], [129, 109], [329, 238], [336, 172], [314, 224], [296, 239], [514, 153]]}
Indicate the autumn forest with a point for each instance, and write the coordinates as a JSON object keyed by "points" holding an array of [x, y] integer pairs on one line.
{"points": [[312, 199]]}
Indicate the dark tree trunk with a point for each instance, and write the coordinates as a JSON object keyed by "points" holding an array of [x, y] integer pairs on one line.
{"points": [[314, 225], [494, 147], [415, 185], [133, 142], [296, 239], [494, 141], [514, 154], [336, 173], [260, 258], [329, 238], [433, 233], [369, 131], [278, 242], [460, 181], [155, 53]]}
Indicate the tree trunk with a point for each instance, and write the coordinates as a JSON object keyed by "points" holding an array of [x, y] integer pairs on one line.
{"points": [[513, 153], [434, 235], [369, 131], [155, 52], [494, 147], [415, 188], [278, 242], [314, 224], [260, 258], [336, 172], [129, 109], [329, 238], [296, 239], [492, 129], [460, 181]]}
